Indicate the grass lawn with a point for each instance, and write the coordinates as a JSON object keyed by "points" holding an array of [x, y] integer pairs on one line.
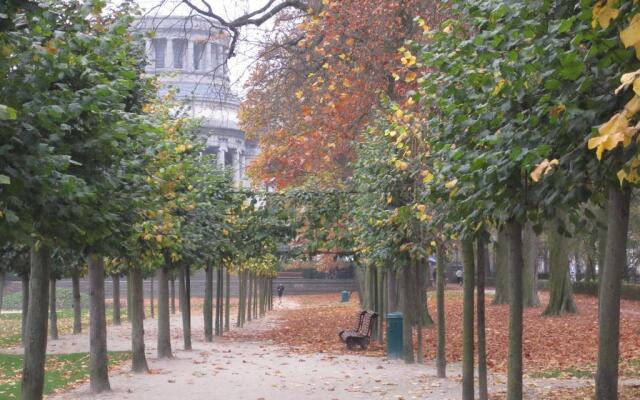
{"points": [[62, 371]]}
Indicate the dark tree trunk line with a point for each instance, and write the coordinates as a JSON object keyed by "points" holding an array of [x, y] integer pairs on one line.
{"points": [[164, 327], [53, 312], [615, 261], [502, 268], [185, 305], [381, 279], [2, 283], [77, 302], [406, 305], [530, 273], [516, 266], [560, 294], [115, 279], [467, 320], [25, 306], [249, 296], [441, 357], [227, 300], [35, 332], [173, 294], [129, 302], [207, 308], [392, 291], [481, 254], [98, 361], [153, 312], [139, 359]]}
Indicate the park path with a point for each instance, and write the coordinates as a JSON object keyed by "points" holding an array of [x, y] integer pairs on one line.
{"points": [[234, 369]]}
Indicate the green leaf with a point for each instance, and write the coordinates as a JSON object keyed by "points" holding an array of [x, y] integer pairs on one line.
{"points": [[5, 180], [7, 113]]}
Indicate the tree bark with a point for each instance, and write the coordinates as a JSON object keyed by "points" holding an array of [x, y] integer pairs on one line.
{"points": [[219, 305], [502, 268], [207, 307], [392, 289], [530, 273], [115, 279], [139, 362], [420, 309], [77, 302], [98, 361], [481, 251], [164, 328], [2, 283], [185, 305], [610, 282], [467, 320], [249, 295], [516, 266], [441, 358], [560, 294], [53, 312], [173, 295], [25, 306], [406, 298], [602, 237], [381, 316], [153, 311], [35, 334], [227, 302], [129, 298]]}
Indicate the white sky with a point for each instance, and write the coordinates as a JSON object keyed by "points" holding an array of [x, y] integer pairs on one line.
{"points": [[239, 66]]}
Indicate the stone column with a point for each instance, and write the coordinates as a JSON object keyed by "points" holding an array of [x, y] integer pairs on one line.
{"points": [[168, 59], [188, 65], [206, 57], [221, 152], [236, 166]]}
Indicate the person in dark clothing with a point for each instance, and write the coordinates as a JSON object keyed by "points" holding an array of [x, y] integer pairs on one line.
{"points": [[280, 290]]}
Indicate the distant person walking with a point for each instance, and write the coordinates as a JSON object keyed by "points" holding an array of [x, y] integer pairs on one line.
{"points": [[459, 276], [280, 290]]}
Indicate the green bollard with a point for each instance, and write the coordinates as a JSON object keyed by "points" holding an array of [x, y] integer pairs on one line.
{"points": [[394, 335]]}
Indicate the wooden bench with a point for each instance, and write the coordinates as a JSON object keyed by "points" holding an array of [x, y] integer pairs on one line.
{"points": [[361, 332]]}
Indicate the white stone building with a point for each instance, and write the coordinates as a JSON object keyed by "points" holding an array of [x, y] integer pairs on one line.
{"points": [[188, 53]]}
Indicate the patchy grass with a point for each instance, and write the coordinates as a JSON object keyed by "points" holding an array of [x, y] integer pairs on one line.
{"points": [[565, 373], [64, 300], [61, 371]]}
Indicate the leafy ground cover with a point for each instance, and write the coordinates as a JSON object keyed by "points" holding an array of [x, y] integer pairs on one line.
{"points": [[553, 346], [61, 371], [64, 300]]}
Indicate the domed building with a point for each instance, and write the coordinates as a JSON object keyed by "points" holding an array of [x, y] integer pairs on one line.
{"points": [[188, 53]]}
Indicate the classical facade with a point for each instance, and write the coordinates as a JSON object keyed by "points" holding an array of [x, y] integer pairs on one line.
{"points": [[188, 54]]}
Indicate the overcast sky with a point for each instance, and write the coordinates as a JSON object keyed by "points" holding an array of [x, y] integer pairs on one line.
{"points": [[239, 66]]}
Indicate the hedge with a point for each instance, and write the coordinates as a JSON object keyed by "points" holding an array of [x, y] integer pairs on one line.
{"points": [[629, 291]]}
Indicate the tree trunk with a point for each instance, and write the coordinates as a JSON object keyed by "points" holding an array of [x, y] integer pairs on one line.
{"points": [[530, 273], [25, 306], [153, 311], [467, 320], [98, 361], [164, 328], [502, 268], [516, 266], [173, 294], [249, 295], [602, 237], [77, 302], [227, 302], [35, 334], [115, 278], [441, 358], [560, 294], [207, 308], [129, 298], [381, 316], [139, 362], [407, 302], [392, 291], [420, 309], [185, 306], [219, 305], [615, 262], [481, 250], [53, 313]]}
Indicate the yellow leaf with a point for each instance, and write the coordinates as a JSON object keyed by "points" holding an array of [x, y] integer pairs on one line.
{"points": [[389, 199], [498, 88], [603, 13], [411, 76], [621, 176], [401, 165], [537, 172], [346, 83], [636, 87], [428, 177], [350, 42], [451, 184], [631, 34], [299, 94]]}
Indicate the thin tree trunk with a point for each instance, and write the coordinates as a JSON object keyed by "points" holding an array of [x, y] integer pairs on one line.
{"points": [[2, 283], [35, 334], [164, 328], [207, 308], [115, 279], [185, 306], [560, 294], [173, 294], [219, 305], [441, 358], [530, 273], [381, 289], [139, 363], [392, 291], [611, 280], [602, 237], [249, 295], [256, 279], [128, 298], [421, 310], [406, 299], [516, 266], [227, 302], [502, 268], [467, 320], [481, 250], [153, 311], [53, 313], [77, 302], [25, 306], [98, 360]]}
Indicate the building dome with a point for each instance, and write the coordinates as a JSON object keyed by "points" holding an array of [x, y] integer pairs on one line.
{"points": [[188, 53]]}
